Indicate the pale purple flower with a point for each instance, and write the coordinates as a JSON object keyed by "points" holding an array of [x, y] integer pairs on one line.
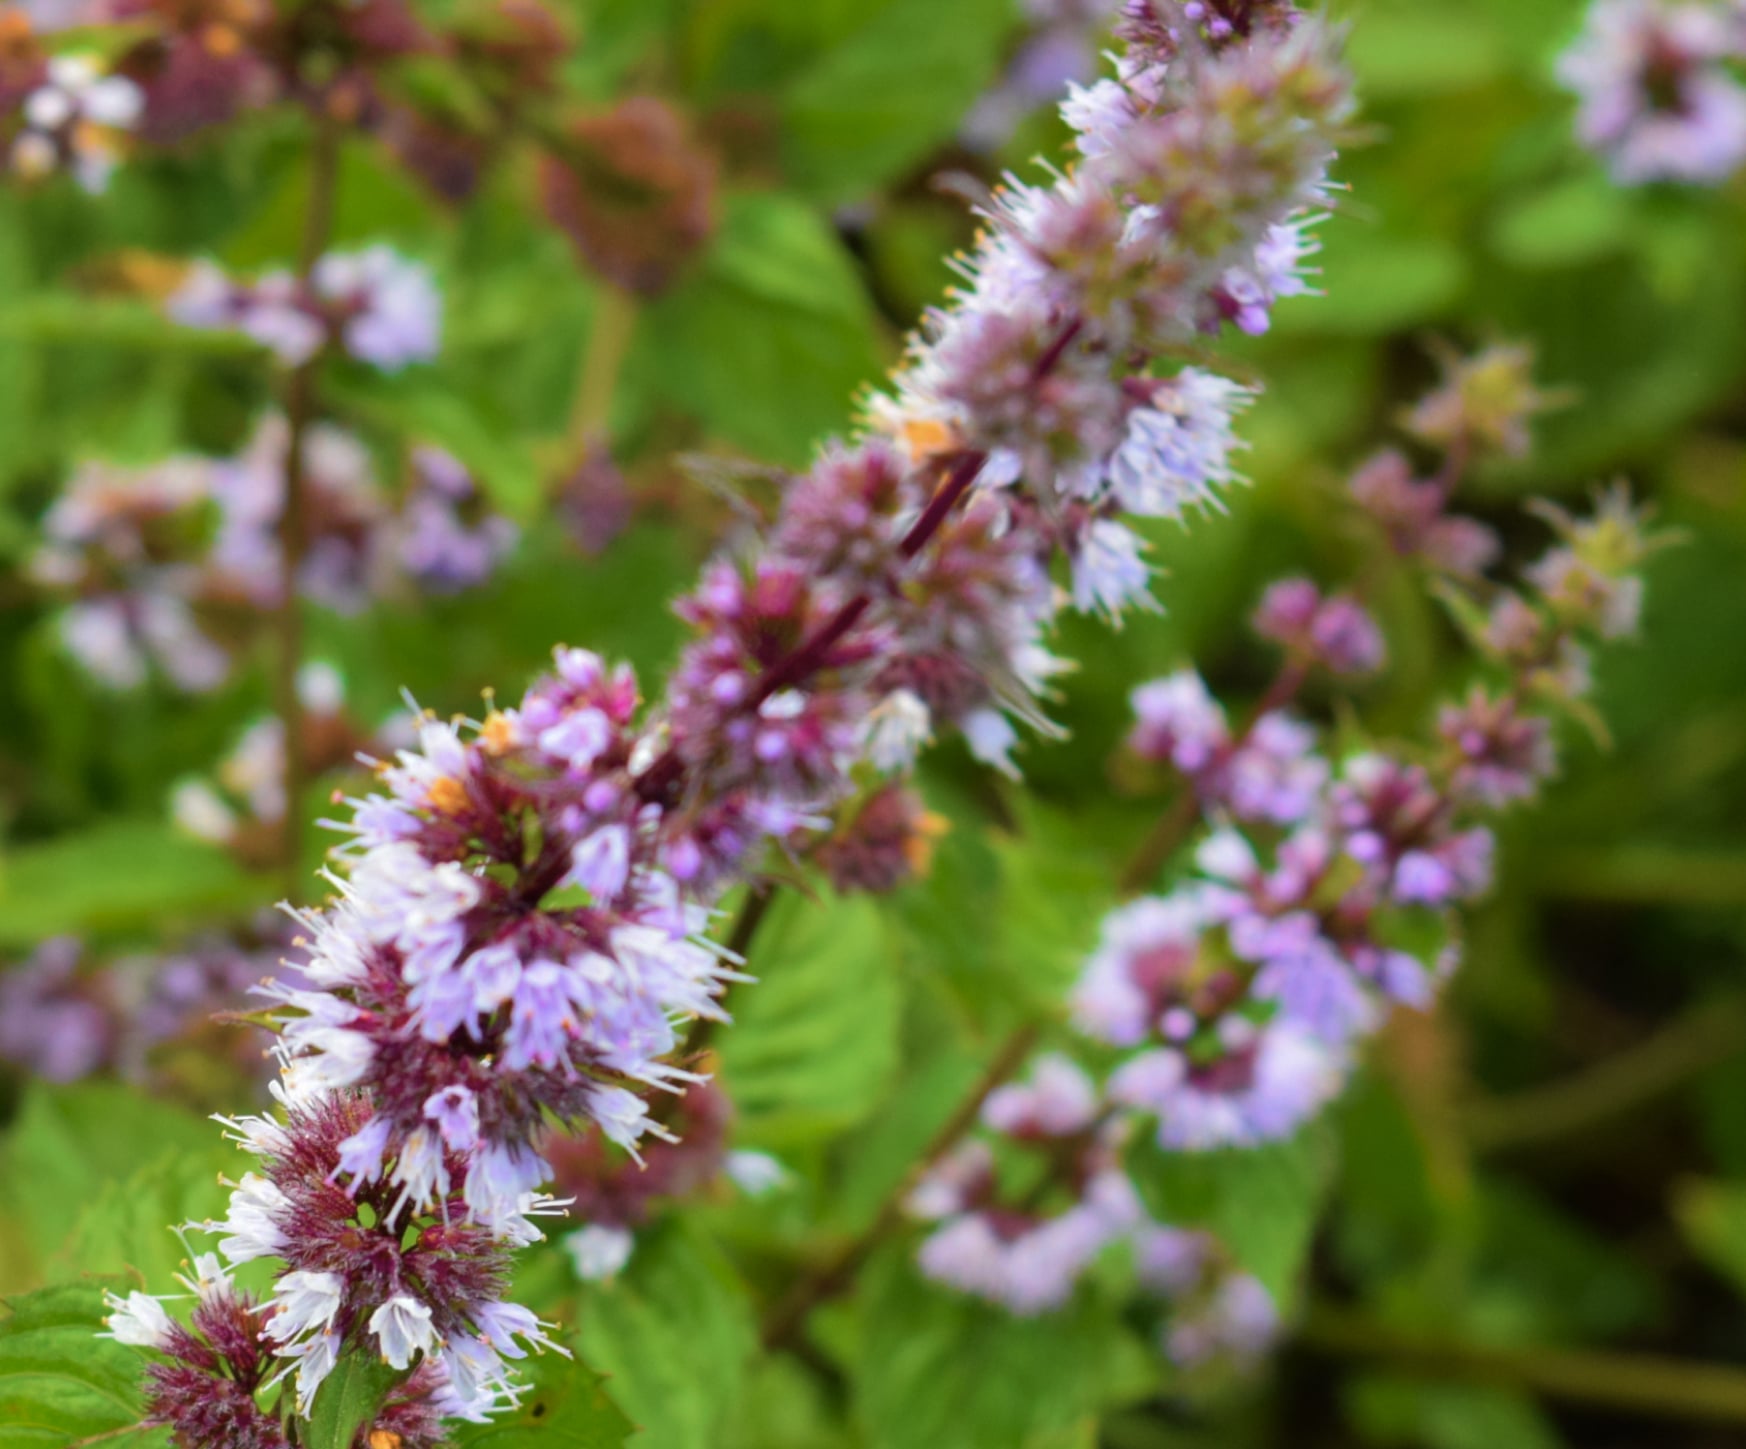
{"points": [[1656, 98], [1178, 721]]}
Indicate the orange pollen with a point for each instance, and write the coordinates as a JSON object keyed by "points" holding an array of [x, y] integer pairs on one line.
{"points": [[927, 436], [448, 796], [498, 733]]}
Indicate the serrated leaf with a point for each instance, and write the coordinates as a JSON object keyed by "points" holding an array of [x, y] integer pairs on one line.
{"points": [[567, 1404], [348, 1399], [768, 339], [813, 1047], [672, 1334], [68, 1143], [1261, 1202], [888, 93], [939, 1370], [60, 1383]]}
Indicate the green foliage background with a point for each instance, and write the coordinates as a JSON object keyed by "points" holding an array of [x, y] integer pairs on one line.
{"points": [[1450, 1197]]}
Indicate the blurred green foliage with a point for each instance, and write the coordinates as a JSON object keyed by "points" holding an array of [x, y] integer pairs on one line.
{"points": [[1621, 906]]}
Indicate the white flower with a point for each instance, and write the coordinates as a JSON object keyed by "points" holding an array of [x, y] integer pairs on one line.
{"points": [[599, 1252], [303, 1301], [895, 731], [255, 1208], [755, 1173], [403, 1328], [1109, 572], [139, 1320]]}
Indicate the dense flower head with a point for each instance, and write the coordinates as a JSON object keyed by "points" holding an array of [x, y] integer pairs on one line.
{"points": [[365, 1267], [1027, 1254], [1412, 514], [1657, 97], [1333, 632], [508, 944], [199, 63], [515, 939], [1483, 405], [158, 562], [1215, 1311], [374, 305]]}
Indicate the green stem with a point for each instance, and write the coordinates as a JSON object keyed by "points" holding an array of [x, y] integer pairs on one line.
{"points": [[615, 321], [826, 1282], [1637, 1383], [298, 401], [1612, 1087]]}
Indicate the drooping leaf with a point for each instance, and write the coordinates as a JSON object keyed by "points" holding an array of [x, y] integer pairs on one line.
{"points": [[60, 1384]]}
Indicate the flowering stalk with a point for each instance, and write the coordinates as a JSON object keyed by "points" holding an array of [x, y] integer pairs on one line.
{"points": [[519, 927], [1323, 891]]}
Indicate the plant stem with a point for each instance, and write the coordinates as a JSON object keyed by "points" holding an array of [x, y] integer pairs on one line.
{"points": [[1614, 1086], [826, 1282], [299, 406], [614, 323], [1638, 1383], [739, 942]]}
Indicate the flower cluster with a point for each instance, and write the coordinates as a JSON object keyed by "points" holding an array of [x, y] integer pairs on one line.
{"points": [[373, 305], [1024, 1210], [368, 1267], [167, 563], [1323, 892], [1660, 96], [517, 935], [65, 1016], [74, 117]]}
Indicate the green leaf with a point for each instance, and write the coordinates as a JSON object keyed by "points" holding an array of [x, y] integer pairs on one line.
{"points": [[60, 1384], [68, 1143], [420, 406], [767, 340], [69, 317], [939, 1370], [1712, 1216], [1555, 226], [1261, 1202], [127, 1226], [348, 1399], [672, 1334], [116, 876], [877, 103], [813, 1048], [1420, 50], [568, 1405]]}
